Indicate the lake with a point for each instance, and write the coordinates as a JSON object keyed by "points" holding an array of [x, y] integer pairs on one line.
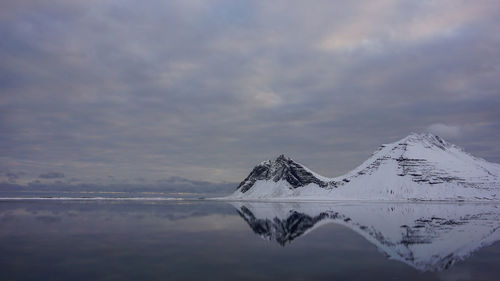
{"points": [[212, 240]]}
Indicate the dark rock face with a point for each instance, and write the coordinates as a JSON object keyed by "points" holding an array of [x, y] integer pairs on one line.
{"points": [[283, 168], [422, 171]]}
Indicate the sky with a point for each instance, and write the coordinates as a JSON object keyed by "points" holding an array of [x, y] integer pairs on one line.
{"points": [[158, 92]]}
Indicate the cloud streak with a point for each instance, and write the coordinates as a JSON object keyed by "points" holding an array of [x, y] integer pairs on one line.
{"points": [[51, 175]]}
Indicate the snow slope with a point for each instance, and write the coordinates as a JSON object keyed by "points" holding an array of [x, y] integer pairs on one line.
{"points": [[417, 167]]}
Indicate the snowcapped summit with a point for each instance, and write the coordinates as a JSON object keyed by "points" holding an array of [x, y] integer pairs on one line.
{"points": [[426, 158], [417, 167]]}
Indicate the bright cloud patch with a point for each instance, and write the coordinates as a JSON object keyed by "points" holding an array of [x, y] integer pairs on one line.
{"points": [[445, 131]]}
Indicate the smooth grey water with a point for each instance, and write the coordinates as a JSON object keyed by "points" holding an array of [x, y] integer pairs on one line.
{"points": [[204, 240]]}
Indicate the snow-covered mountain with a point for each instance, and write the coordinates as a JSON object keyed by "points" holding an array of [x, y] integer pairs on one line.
{"points": [[417, 167], [428, 237]]}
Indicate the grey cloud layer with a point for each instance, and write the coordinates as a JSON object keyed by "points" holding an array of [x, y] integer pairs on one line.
{"points": [[203, 90]]}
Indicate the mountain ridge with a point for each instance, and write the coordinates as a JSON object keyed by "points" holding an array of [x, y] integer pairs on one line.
{"points": [[402, 170]]}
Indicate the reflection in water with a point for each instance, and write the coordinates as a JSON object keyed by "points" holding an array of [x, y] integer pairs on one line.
{"points": [[200, 240], [429, 237]]}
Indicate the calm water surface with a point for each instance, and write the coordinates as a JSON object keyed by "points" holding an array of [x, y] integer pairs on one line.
{"points": [[203, 240]]}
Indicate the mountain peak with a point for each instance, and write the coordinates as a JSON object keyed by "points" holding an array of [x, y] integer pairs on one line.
{"points": [[282, 157], [283, 168], [427, 139]]}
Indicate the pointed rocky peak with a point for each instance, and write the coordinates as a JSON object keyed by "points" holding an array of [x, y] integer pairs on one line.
{"points": [[282, 157], [282, 168], [282, 160]]}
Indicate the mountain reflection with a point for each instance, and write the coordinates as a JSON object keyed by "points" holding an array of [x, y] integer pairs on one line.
{"points": [[429, 237]]}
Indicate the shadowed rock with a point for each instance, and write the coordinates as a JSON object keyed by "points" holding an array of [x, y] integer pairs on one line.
{"points": [[283, 168]]}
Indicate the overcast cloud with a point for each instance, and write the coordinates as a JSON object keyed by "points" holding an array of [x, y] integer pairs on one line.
{"points": [[112, 91]]}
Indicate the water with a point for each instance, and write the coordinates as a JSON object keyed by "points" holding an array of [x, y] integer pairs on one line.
{"points": [[205, 240]]}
